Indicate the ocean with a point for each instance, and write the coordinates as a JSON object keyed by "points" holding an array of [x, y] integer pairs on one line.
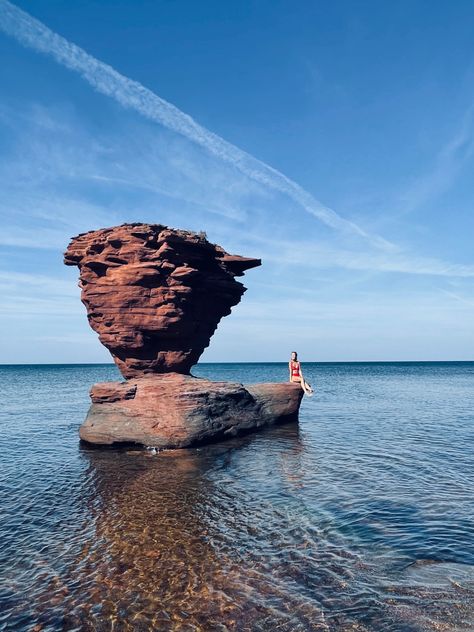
{"points": [[360, 517]]}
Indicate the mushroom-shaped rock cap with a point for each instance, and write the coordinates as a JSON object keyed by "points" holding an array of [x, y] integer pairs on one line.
{"points": [[155, 295]]}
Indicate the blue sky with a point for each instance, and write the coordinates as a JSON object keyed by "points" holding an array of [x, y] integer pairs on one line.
{"points": [[365, 110]]}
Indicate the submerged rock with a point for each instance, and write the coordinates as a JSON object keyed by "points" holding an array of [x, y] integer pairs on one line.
{"points": [[155, 297], [176, 411]]}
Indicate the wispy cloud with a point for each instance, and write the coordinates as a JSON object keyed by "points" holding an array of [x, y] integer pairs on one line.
{"points": [[367, 326], [318, 255], [129, 183], [27, 296], [448, 162], [457, 297], [321, 257], [186, 178], [40, 282], [69, 178], [131, 94]]}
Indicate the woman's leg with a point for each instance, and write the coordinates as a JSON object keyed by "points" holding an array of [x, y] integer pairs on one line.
{"points": [[308, 388], [303, 384]]}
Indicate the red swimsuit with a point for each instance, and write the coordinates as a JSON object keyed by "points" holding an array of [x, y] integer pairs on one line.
{"points": [[295, 369]]}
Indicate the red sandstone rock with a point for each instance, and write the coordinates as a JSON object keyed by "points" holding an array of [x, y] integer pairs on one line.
{"points": [[155, 295], [176, 411]]}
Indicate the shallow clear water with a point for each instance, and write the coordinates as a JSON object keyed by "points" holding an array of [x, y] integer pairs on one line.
{"points": [[359, 518]]}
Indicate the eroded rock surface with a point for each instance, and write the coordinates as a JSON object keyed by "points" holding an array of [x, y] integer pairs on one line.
{"points": [[155, 295], [176, 411]]}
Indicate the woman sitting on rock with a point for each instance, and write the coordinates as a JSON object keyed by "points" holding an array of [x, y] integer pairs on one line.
{"points": [[296, 374]]}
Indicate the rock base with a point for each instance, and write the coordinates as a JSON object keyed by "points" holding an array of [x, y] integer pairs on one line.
{"points": [[176, 411]]}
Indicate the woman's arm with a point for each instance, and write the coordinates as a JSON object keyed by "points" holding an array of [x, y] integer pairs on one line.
{"points": [[289, 369]]}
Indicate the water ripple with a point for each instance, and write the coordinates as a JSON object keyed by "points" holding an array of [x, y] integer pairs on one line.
{"points": [[360, 518]]}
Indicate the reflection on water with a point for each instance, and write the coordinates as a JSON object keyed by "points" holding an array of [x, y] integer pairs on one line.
{"points": [[360, 518]]}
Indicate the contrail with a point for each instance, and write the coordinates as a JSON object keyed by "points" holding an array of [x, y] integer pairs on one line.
{"points": [[34, 34]]}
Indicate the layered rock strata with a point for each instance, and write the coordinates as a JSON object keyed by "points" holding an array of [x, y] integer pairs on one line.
{"points": [[177, 411], [155, 295]]}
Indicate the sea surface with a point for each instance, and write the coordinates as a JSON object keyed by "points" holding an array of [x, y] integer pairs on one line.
{"points": [[360, 517]]}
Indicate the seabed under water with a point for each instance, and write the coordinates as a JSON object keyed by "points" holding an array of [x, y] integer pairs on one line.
{"points": [[360, 517]]}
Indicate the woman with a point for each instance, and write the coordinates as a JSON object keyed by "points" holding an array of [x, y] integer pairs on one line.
{"points": [[296, 374]]}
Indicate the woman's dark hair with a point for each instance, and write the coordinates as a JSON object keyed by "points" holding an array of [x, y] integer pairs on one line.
{"points": [[296, 354]]}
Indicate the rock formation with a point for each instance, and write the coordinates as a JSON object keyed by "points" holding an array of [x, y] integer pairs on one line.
{"points": [[155, 297], [178, 411]]}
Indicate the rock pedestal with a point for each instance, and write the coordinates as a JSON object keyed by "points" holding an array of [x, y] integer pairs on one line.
{"points": [[155, 296], [178, 411]]}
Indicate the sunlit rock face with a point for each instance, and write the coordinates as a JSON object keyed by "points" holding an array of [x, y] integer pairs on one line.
{"points": [[155, 295], [178, 411]]}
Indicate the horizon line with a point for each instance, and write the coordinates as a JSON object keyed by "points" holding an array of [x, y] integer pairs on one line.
{"points": [[7, 364]]}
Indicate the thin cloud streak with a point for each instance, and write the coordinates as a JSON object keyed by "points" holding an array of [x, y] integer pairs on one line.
{"points": [[319, 256], [131, 94], [457, 297], [349, 260], [38, 281], [25, 296], [449, 161]]}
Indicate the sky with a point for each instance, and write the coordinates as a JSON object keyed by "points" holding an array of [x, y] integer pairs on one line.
{"points": [[333, 140]]}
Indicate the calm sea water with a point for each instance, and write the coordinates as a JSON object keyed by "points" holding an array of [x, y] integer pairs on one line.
{"points": [[359, 518]]}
